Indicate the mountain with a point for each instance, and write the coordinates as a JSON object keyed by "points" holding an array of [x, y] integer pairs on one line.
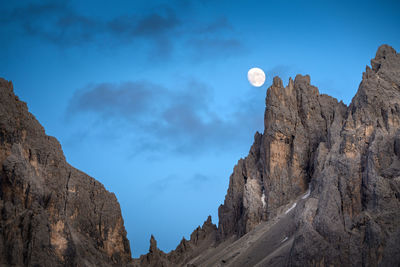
{"points": [[320, 186], [51, 214]]}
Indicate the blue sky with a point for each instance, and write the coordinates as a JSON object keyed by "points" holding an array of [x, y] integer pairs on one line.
{"points": [[152, 99]]}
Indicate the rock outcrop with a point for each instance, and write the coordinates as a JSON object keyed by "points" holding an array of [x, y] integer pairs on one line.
{"points": [[51, 214], [201, 240], [320, 187], [321, 184], [280, 164], [356, 179]]}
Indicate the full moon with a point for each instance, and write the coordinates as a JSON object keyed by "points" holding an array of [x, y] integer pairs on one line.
{"points": [[256, 77]]}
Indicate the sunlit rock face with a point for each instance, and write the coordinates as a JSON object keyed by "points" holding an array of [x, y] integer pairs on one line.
{"points": [[321, 184], [51, 214]]}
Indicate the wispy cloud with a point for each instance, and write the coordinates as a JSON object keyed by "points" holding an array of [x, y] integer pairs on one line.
{"points": [[283, 71], [161, 28], [219, 24], [181, 120], [204, 47], [192, 182], [129, 100], [59, 23]]}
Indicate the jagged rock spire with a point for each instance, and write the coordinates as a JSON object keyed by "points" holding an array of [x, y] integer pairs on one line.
{"points": [[348, 157], [153, 245]]}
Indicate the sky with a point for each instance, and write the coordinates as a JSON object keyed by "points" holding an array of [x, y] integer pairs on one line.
{"points": [[151, 97]]}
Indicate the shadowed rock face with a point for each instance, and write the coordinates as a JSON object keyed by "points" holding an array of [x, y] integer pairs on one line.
{"points": [[357, 178], [51, 214], [281, 161], [320, 186], [201, 239]]}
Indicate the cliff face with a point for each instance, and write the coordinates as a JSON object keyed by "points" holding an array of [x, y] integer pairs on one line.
{"points": [[356, 179], [51, 214], [280, 164], [321, 185]]}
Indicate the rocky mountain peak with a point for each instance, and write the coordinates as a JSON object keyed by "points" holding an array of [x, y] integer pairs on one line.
{"points": [[51, 213], [277, 82], [153, 245], [321, 184], [300, 79], [277, 169], [384, 51], [319, 187]]}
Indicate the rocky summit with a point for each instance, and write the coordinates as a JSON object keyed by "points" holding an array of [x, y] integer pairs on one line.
{"points": [[320, 187]]}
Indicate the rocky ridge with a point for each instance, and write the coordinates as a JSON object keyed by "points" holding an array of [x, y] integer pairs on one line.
{"points": [[321, 184], [200, 240], [51, 214], [320, 187]]}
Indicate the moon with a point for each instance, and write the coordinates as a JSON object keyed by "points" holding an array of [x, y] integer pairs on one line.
{"points": [[256, 77]]}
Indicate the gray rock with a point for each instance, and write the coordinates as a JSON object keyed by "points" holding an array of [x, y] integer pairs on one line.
{"points": [[280, 163], [321, 185], [201, 239], [51, 214]]}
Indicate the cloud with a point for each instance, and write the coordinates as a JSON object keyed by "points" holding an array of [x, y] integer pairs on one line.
{"points": [[129, 100], [182, 120], [159, 29], [161, 185], [155, 24], [52, 21], [193, 182], [216, 39], [215, 47], [219, 24], [200, 177], [60, 24], [198, 181], [283, 71]]}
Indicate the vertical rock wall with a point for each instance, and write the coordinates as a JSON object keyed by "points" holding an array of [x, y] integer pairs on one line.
{"points": [[51, 214], [281, 161]]}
